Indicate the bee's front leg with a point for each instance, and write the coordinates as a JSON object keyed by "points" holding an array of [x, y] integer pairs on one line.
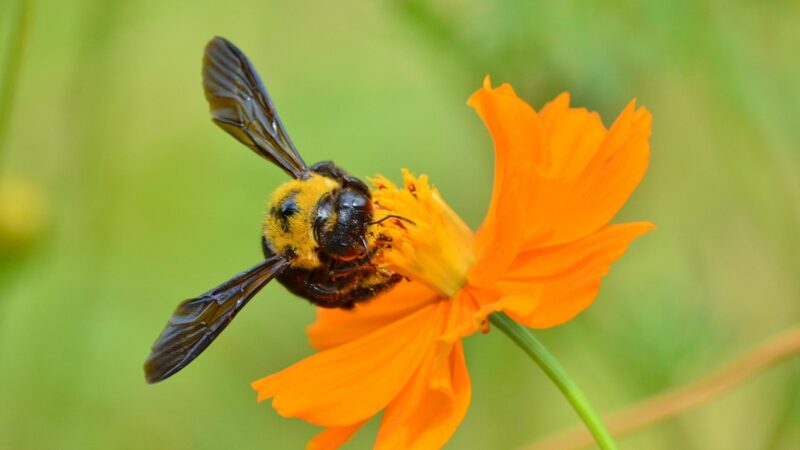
{"points": [[343, 270]]}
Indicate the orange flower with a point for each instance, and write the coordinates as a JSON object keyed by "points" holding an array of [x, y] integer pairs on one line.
{"points": [[539, 256]]}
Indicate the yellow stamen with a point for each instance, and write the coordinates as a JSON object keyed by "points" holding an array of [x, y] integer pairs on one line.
{"points": [[437, 249]]}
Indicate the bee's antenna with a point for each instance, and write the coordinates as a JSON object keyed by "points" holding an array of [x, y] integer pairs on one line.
{"points": [[392, 216]]}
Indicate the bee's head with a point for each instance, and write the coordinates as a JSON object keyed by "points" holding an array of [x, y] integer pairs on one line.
{"points": [[341, 222]]}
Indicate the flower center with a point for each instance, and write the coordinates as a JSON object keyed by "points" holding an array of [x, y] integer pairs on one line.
{"points": [[429, 242]]}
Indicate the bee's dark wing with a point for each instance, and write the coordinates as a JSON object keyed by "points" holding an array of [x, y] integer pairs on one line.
{"points": [[241, 106], [198, 321]]}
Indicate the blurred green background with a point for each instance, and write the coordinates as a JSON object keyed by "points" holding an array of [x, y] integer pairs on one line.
{"points": [[145, 202]]}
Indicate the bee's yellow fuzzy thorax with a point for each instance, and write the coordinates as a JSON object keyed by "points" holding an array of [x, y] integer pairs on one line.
{"points": [[296, 231]]}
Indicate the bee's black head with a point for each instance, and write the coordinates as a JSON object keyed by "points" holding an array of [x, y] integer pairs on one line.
{"points": [[341, 223]]}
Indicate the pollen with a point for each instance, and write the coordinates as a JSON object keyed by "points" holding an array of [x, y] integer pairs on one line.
{"points": [[433, 245]]}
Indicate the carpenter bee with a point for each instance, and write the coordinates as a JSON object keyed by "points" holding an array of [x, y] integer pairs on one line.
{"points": [[316, 238]]}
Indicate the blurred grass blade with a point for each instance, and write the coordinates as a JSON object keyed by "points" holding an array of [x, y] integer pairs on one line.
{"points": [[677, 401], [12, 65]]}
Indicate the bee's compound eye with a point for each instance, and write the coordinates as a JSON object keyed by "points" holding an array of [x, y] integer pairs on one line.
{"points": [[354, 200], [341, 224]]}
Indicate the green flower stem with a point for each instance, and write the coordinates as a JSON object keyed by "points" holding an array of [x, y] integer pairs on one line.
{"points": [[537, 351]]}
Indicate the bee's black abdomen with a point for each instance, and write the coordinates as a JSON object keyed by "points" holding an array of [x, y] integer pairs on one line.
{"points": [[319, 288], [326, 287]]}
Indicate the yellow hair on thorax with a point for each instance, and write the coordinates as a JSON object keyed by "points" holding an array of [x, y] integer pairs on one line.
{"points": [[296, 233]]}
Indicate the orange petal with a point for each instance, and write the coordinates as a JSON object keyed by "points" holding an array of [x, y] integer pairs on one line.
{"points": [[520, 150], [574, 136], [337, 326], [429, 409], [519, 299], [605, 183], [582, 174], [569, 275], [463, 317], [352, 382], [332, 438], [516, 298], [502, 237]]}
